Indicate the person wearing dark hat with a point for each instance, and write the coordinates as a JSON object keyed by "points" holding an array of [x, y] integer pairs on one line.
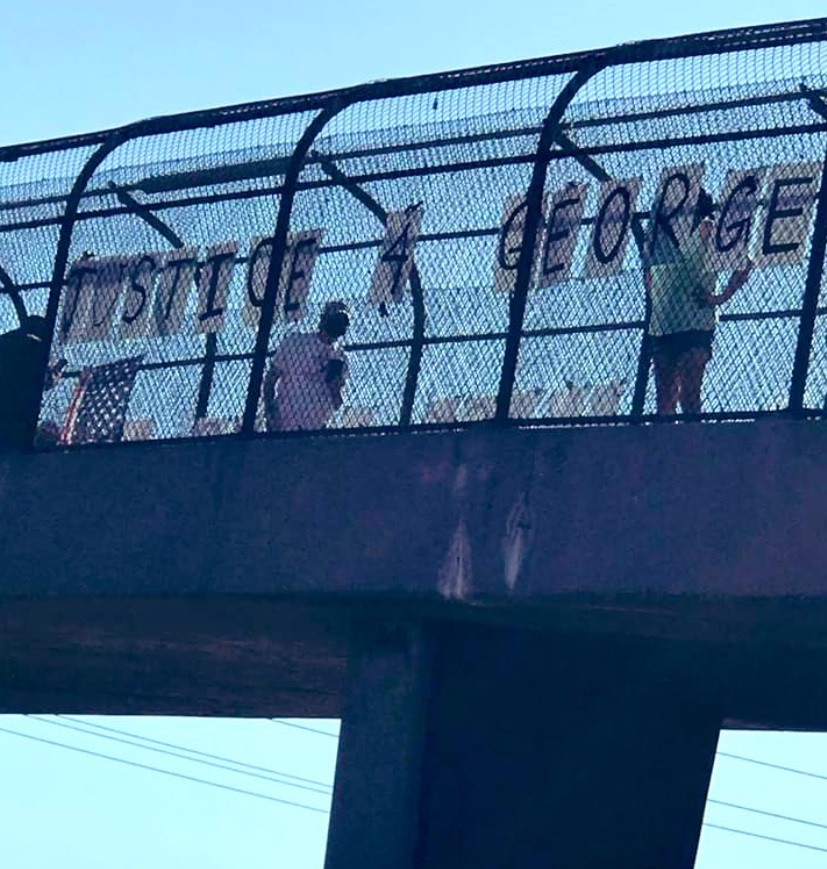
{"points": [[684, 314], [307, 375], [24, 375]]}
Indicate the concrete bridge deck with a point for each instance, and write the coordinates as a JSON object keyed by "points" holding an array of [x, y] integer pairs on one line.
{"points": [[226, 577]]}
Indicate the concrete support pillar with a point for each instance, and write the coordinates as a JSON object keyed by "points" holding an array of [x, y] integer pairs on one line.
{"points": [[562, 753], [374, 816], [539, 751]]}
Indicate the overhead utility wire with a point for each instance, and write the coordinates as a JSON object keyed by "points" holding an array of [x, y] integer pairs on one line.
{"points": [[772, 765], [768, 814], [304, 727], [163, 771], [177, 755], [275, 772], [766, 838]]}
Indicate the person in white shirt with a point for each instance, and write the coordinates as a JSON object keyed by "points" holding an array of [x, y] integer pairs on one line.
{"points": [[307, 375]]}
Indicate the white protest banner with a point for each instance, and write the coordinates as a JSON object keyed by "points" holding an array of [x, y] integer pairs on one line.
{"points": [[255, 281], [560, 236], [297, 273], [139, 291], [612, 226], [300, 254], [213, 284], [80, 281], [790, 193], [510, 242], [172, 290], [393, 268], [673, 211], [734, 219]]}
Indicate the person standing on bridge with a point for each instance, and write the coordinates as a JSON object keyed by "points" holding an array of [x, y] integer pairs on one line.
{"points": [[304, 384], [684, 314], [24, 376]]}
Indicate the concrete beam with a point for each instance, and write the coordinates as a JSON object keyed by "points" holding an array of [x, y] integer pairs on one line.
{"points": [[145, 555], [730, 510]]}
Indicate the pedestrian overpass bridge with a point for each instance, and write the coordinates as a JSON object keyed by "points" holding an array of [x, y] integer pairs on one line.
{"points": [[498, 563]]}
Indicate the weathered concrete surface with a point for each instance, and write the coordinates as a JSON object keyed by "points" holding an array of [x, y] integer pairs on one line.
{"points": [[710, 533], [725, 510], [525, 748], [171, 656]]}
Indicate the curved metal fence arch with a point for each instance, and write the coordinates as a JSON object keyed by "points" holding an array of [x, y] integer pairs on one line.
{"points": [[115, 139], [770, 339], [533, 217], [291, 177]]}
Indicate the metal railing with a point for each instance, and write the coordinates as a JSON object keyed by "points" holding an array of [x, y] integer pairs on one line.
{"points": [[492, 230]]}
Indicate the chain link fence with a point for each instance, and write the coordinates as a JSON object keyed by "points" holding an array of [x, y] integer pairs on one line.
{"points": [[629, 234]]}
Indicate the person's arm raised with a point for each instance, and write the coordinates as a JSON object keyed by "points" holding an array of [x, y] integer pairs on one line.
{"points": [[736, 280]]}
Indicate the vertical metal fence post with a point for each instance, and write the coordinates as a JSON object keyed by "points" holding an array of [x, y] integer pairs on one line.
{"points": [[268, 303], [642, 370], [809, 304], [417, 348], [533, 217], [117, 138], [207, 373]]}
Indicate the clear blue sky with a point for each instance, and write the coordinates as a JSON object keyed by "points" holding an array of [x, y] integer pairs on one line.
{"points": [[77, 66], [63, 808], [73, 67]]}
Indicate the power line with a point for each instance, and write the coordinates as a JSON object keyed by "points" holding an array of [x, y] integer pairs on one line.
{"points": [[277, 772], [767, 838], [162, 771], [81, 729], [305, 727], [323, 811], [768, 814], [772, 765]]}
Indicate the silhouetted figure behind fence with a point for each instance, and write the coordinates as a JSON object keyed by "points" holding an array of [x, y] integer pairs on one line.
{"points": [[23, 376]]}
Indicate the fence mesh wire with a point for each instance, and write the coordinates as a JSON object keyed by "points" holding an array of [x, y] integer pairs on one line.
{"points": [[403, 211]]}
